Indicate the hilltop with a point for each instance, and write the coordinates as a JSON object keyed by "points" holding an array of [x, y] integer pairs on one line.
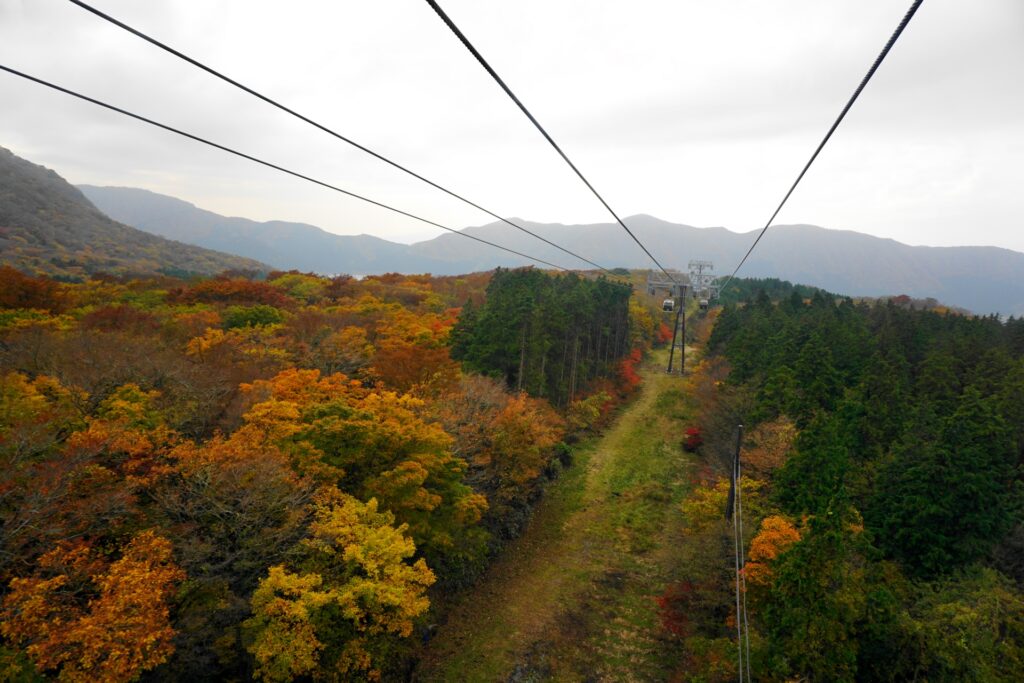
{"points": [[47, 226]]}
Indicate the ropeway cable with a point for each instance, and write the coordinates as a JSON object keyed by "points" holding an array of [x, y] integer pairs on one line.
{"points": [[508, 91], [268, 164], [856, 93], [329, 131]]}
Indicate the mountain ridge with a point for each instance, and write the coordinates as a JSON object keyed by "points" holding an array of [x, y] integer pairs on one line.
{"points": [[284, 244], [979, 278]]}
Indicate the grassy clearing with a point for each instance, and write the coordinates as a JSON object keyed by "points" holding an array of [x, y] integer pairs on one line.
{"points": [[573, 598]]}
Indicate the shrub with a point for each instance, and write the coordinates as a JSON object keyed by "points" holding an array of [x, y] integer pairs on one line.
{"points": [[693, 439]]}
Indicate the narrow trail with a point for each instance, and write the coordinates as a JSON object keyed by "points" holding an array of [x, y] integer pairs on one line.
{"points": [[573, 599]]}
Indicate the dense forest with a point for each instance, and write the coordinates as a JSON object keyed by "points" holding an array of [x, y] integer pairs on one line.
{"points": [[883, 516], [230, 478], [546, 336], [736, 290], [290, 477]]}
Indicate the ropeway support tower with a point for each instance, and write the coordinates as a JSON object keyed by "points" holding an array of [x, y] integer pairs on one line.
{"points": [[702, 278], [676, 288]]}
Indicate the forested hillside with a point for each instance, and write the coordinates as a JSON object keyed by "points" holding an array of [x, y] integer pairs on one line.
{"points": [[48, 227], [882, 495], [228, 478]]}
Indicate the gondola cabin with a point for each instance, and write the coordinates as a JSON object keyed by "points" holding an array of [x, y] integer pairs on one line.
{"points": [[668, 305]]}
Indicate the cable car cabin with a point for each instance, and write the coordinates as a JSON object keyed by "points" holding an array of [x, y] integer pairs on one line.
{"points": [[668, 305], [703, 304]]}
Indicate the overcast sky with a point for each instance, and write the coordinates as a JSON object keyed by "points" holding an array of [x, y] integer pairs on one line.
{"points": [[693, 111]]}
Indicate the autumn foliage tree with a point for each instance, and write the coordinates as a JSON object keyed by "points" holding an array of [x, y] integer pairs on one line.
{"points": [[231, 290], [350, 591], [372, 443], [767, 446], [507, 441], [775, 536], [86, 619], [412, 352], [232, 506], [206, 478], [64, 476], [18, 290]]}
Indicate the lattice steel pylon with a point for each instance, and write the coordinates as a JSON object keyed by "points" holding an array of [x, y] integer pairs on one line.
{"points": [[702, 278]]}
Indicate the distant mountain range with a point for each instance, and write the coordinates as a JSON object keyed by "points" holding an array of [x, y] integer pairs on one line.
{"points": [[47, 226], [282, 244], [981, 279]]}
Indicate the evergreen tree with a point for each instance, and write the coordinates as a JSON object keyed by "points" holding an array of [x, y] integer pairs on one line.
{"points": [[816, 377], [545, 335], [943, 502], [816, 473], [818, 601]]}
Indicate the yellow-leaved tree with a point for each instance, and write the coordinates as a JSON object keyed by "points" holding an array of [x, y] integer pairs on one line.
{"points": [[372, 443], [349, 595]]}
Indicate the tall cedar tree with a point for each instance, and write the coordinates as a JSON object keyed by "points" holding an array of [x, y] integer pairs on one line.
{"points": [[543, 334]]}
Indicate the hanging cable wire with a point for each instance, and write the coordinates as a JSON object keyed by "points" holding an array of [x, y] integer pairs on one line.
{"points": [[742, 550], [487, 67], [737, 533], [329, 131], [856, 93], [268, 164]]}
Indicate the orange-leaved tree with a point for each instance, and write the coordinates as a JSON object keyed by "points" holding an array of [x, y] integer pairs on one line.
{"points": [[88, 619], [525, 433], [62, 476], [127, 434], [412, 352], [768, 446], [18, 290], [776, 535], [233, 506]]}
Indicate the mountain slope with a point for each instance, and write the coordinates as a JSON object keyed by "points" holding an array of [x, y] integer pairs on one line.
{"points": [[981, 279], [283, 244], [48, 226]]}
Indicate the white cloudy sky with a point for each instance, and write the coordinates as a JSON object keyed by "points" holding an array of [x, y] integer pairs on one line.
{"points": [[696, 112]]}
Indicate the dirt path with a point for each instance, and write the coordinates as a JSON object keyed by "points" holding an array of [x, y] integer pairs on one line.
{"points": [[573, 598]]}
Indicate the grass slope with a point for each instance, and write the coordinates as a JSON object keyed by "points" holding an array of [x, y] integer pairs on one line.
{"points": [[573, 598]]}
